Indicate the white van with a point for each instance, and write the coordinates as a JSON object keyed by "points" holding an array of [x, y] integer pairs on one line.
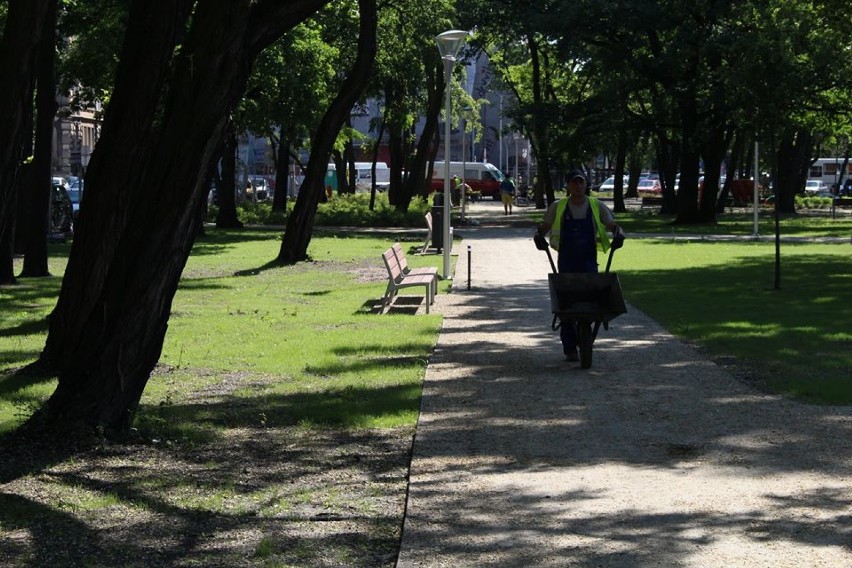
{"points": [[829, 170], [363, 180], [480, 176]]}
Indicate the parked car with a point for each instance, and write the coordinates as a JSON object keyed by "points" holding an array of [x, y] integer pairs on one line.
{"points": [[649, 185], [61, 181], [260, 186], [608, 185], [817, 187]]}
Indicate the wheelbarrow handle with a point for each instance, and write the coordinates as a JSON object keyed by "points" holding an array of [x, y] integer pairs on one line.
{"points": [[542, 244], [617, 243]]}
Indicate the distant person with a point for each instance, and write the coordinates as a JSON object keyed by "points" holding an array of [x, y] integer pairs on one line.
{"points": [[455, 187], [507, 194], [577, 225]]}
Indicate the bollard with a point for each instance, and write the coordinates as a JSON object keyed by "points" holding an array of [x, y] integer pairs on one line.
{"points": [[468, 267]]}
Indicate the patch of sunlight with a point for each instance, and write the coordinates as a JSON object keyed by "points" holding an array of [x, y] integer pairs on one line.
{"points": [[839, 336]]}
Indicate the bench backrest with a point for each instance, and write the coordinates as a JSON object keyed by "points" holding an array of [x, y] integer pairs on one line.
{"points": [[392, 264], [400, 257]]}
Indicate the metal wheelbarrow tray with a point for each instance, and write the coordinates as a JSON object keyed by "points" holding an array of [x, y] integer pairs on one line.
{"points": [[586, 297]]}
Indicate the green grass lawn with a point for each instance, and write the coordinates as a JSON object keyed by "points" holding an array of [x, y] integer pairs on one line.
{"points": [[305, 338], [796, 340]]}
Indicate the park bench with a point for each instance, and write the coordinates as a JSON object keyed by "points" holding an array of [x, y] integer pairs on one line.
{"points": [[430, 271], [651, 201], [428, 217], [840, 203], [397, 281]]}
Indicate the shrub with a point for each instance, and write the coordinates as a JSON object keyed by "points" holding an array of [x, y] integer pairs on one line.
{"points": [[354, 210], [807, 202], [351, 210]]}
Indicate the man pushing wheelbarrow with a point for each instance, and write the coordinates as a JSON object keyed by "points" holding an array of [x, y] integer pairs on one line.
{"points": [[580, 297]]}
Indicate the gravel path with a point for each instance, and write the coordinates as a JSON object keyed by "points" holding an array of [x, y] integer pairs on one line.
{"points": [[654, 457]]}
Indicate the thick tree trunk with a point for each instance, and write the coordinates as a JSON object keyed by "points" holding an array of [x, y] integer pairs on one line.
{"points": [[40, 190], [226, 192], [19, 45], [115, 167], [117, 338], [300, 223]]}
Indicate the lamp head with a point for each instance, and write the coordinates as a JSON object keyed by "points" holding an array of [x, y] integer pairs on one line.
{"points": [[450, 42]]}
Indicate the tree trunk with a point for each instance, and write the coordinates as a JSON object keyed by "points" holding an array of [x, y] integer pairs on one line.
{"points": [[7, 252], [398, 196], [40, 189], [618, 180], [794, 155], [19, 45], [282, 174], [300, 223], [349, 159], [718, 141], [341, 171], [667, 157], [226, 193], [418, 180], [732, 169], [113, 336], [543, 188], [379, 135], [115, 166], [687, 201]]}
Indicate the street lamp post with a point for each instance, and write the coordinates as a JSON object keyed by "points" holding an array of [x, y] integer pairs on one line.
{"points": [[516, 136], [501, 135], [449, 44]]}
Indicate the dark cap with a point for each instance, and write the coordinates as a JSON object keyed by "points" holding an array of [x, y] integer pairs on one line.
{"points": [[577, 174]]}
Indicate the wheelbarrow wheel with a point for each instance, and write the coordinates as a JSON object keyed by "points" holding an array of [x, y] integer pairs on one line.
{"points": [[584, 339]]}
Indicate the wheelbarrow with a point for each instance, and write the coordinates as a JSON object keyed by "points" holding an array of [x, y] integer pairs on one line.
{"points": [[585, 300]]}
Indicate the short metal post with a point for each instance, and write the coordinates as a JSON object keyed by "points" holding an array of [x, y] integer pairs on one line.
{"points": [[468, 267]]}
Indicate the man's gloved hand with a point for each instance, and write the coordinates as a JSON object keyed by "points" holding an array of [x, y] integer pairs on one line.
{"points": [[540, 241], [617, 239]]}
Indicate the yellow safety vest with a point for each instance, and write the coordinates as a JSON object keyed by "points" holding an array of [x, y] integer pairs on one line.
{"points": [[556, 230]]}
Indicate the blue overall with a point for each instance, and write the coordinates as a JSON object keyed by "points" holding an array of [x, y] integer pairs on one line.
{"points": [[577, 253]]}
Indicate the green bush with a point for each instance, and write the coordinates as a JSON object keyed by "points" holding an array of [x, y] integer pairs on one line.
{"points": [[807, 202], [352, 210]]}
